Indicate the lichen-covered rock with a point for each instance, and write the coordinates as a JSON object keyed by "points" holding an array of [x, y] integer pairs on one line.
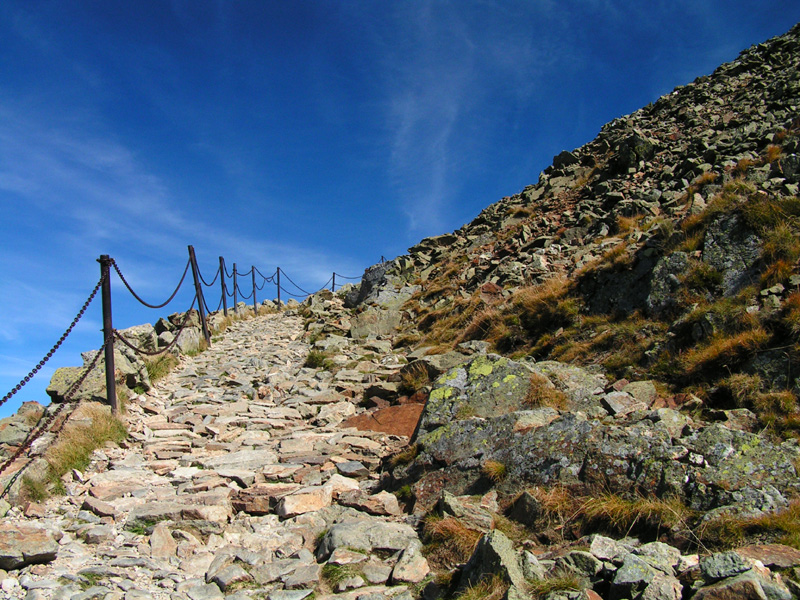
{"points": [[582, 386], [665, 282], [735, 460], [734, 250], [487, 386]]}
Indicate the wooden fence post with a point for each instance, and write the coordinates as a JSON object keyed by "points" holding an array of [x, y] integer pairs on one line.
{"points": [[199, 291], [255, 303], [222, 280], [235, 289], [108, 333]]}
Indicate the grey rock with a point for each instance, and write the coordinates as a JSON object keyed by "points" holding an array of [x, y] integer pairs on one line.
{"points": [[580, 562], [352, 468], [659, 556], [303, 577], [494, 554], [22, 545], [289, 594], [411, 567], [374, 321], [633, 576], [227, 576], [733, 249], [721, 565], [367, 535], [205, 591]]}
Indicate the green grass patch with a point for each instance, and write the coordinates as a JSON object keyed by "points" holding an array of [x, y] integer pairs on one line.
{"points": [[161, 366]]}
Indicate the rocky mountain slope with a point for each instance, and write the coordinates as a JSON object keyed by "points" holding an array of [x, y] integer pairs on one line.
{"points": [[589, 391]]}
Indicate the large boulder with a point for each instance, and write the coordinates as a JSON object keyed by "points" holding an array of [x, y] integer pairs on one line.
{"points": [[493, 555], [486, 386], [374, 322], [733, 249]]}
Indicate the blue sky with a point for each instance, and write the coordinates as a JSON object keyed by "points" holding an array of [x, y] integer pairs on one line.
{"points": [[311, 135]]}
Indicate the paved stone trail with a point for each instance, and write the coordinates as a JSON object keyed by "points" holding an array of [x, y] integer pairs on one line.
{"points": [[237, 481]]}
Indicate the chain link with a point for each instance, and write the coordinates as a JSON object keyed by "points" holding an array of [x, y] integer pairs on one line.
{"points": [[295, 285], [135, 295], [241, 293], [213, 281], [57, 345], [186, 316]]}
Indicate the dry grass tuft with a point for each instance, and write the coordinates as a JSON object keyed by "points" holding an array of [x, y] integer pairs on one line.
{"points": [[540, 588], [494, 470], [493, 588], [448, 541], [415, 377], [160, 366], [622, 515], [77, 441], [728, 531], [724, 350], [405, 456], [542, 393]]}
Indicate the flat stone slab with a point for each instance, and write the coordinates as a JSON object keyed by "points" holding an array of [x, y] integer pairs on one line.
{"points": [[772, 555], [22, 545], [251, 460]]}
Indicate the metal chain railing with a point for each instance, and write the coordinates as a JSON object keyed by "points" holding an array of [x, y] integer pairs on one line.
{"points": [[241, 293], [297, 286], [135, 295], [41, 428], [222, 271], [55, 347], [213, 281], [169, 346], [270, 279]]}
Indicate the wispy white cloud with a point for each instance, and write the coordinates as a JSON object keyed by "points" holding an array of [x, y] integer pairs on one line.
{"points": [[441, 75]]}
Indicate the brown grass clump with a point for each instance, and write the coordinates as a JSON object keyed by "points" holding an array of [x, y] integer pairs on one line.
{"points": [[729, 531], [92, 427], [785, 522], [627, 224], [488, 588], [444, 325], [483, 322], [724, 350], [413, 378], [791, 313], [744, 165], [742, 388], [495, 471], [705, 178], [448, 541], [724, 531], [542, 393], [405, 456], [78, 440], [621, 515], [545, 307], [160, 366], [773, 153], [567, 581]]}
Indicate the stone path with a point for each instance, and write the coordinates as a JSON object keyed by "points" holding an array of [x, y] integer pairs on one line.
{"points": [[238, 481]]}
